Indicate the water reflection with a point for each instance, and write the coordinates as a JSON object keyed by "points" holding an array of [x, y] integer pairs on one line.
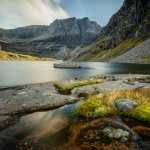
{"points": [[14, 73], [52, 128]]}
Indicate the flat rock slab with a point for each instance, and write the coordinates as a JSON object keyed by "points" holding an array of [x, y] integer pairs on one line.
{"points": [[122, 76], [67, 83], [31, 98], [83, 91], [125, 105], [108, 86], [119, 85]]}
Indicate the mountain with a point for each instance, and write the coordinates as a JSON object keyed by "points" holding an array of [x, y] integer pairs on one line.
{"points": [[57, 40], [126, 29], [139, 54]]}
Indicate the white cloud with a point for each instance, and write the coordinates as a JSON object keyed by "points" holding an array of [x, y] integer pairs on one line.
{"points": [[17, 13]]}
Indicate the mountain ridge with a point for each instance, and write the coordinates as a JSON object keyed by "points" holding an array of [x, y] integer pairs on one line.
{"points": [[49, 40], [127, 28]]}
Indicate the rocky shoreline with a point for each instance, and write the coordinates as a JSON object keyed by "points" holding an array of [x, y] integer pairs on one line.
{"points": [[30, 98]]}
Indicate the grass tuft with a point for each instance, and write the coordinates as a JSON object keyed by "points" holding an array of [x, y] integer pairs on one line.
{"points": [[95, 81], [100, 107]]}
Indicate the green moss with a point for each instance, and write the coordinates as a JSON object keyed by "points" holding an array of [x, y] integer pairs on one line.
{"points": [[99, 55], [79, 84], [86, 57], [87, 108], [130, 26], [146, 35], [141, 113], [121, 48], [148, 22], [129, 16], [103, 41], [96, 107], [105, 54], [138, 28], [95, 87], [103, 106]]}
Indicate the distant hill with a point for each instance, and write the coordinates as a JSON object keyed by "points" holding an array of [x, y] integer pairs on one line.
{"points": [[126, 29], [58, 40], [19, 57]]}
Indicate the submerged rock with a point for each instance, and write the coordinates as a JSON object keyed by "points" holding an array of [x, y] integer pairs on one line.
{"points": [[142, 131], [97, 132], [125, 105], [115, 133], [67, 65]]}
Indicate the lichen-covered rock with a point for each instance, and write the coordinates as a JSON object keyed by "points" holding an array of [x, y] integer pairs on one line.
{"points": [[31, 98], [67, 65], [115, 133], [125, 105]]}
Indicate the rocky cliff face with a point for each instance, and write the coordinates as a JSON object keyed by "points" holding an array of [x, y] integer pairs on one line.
{"points": [[126, 29], [26, 32], [53, 40], [72, 32]]}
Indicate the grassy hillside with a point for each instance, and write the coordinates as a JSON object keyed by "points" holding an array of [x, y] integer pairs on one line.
{"points": [[19, 57], [106, 55]]}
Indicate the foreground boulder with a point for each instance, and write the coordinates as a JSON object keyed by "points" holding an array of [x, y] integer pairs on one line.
{"points": [[93, 135], [31, 98], [67, 65], [125, 105]]}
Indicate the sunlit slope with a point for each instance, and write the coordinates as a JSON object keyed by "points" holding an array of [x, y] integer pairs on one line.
{"points": [[107, 55], [19, 57]]}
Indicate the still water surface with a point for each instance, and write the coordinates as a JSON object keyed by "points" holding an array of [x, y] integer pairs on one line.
{"points": [[14, 73]]}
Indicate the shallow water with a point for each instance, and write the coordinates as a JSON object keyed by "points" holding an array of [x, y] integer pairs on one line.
{"points": [[14, 73], [47, 129]]}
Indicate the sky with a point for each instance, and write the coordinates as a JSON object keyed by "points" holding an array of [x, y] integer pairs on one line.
{"points": [[19, 13]]}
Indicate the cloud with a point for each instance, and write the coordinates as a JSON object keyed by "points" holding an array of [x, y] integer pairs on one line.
{"points": [[18, 13]]}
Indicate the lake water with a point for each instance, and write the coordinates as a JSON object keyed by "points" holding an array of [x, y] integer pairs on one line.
{"points": [[14, 73]]}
